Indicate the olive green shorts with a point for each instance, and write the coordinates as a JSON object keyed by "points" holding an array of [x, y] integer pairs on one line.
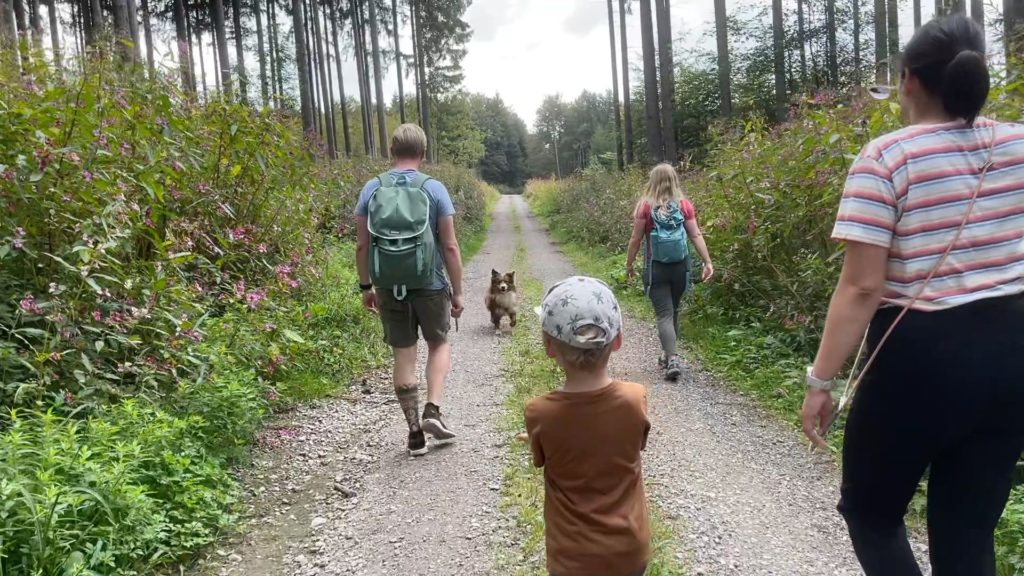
{"points": [[426, 311]]}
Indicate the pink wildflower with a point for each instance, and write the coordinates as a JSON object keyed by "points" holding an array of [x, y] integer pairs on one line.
{"points": [[74, 158], [268, 327], [87, 175], [69, 398], [261, 248], [97, 315], [28, 304], [54, 357], [254, 298], [126, 149], [240, 288], [272, 395]]}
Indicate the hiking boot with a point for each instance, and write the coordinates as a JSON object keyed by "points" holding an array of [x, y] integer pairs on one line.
{"points": [[433, 425], [661, 362], [674, 368], [417, 443]]}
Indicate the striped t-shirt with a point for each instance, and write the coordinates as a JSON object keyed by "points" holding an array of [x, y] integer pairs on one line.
{"points": [[908, 191]]}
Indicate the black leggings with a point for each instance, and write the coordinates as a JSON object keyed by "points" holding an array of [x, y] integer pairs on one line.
{"points": [[666, 284], [945, 396]]}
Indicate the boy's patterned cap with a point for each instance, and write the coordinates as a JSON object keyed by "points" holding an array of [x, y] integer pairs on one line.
{"points": [[578, 302]]}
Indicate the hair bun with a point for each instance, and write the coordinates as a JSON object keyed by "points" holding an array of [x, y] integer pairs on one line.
{"points": [[965, 85]]}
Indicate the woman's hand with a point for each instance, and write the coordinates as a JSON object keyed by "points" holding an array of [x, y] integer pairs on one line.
{"points": [[816, 416], [708, 272], [630, 273]]}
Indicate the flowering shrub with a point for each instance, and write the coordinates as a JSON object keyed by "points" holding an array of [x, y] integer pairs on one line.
{"points": [[129, 216]]}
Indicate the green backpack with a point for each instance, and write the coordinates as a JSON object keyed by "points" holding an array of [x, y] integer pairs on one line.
{"points": [[402, 245]]}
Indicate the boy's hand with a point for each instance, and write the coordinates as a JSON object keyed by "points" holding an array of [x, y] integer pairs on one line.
{"points": [[523, 437]]}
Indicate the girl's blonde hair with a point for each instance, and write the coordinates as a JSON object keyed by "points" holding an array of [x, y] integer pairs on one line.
{"points": [[662, 187]]}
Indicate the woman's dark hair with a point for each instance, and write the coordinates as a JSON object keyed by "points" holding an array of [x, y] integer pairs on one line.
{"points": [[948, 56]]}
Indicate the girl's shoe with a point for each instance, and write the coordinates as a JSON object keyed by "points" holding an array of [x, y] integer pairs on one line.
{"points": [[674, 368]]}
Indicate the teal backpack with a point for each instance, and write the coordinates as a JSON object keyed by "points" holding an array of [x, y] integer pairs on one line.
{"points": [[402, 244], [668, 237]]}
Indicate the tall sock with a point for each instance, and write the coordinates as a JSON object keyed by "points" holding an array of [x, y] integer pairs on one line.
{"points": [[409, 399]]}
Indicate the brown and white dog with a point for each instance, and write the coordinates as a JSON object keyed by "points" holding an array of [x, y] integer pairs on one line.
{"points": [[502, 299]]}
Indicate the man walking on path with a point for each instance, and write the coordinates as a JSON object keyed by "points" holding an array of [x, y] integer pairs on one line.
{"points": [[406, 240]]}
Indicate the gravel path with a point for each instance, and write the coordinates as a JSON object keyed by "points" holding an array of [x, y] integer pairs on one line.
{"points": [[743, 492], [339, 495], [336, 494]]}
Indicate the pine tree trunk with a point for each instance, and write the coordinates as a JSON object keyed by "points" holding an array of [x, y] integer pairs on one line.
{"points": [[133, 30], [51, 8], [978, 11], [668, 83], [917, 14], [261, 55], [332, 115], [655, 143], [322, 67], [243, 76], [724, 64], [364, 67], [181, 36], [147, 31], [893, 18], [627, 110], [424, 82], [881, 44], [940, 8], [778, 42], [416, 59], [189, 26], [22, 24], [398, 61], [8, 34], [801, 36], [382, 126], [275, 49], [957, 6], [364, 103], [616, 111], [221, 35], [202, 59], [95, 17], [858, 63], [121, 33], [301, 62], [36, 22], [341, 82], [833, 47], [78, 26], [216, 61], [314, 90]]}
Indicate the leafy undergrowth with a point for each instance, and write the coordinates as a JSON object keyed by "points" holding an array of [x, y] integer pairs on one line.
{"points": [[172, 272], [531, 373]]}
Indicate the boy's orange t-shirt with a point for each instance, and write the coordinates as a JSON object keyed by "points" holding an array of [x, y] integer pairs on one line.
{"points": [[595, 507]]}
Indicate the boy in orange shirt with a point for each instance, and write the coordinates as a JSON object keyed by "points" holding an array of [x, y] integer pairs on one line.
{"points": [[588, 437]]}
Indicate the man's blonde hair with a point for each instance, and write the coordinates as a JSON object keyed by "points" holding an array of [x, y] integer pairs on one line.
{"points": [[583, 359], [409, 142]]}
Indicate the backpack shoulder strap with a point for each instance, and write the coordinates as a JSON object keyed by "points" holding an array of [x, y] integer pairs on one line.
{"points": [[419, 181], [386, 180]]}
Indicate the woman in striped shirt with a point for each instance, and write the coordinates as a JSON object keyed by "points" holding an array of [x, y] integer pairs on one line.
{"points": [[933, 220]]}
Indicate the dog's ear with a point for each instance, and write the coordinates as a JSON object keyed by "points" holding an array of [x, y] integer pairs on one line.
{"points": [[512, 276], [494, 273]]}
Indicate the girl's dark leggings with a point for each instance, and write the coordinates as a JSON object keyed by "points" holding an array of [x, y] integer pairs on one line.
{"points": [[666, 284], [946, 397]]}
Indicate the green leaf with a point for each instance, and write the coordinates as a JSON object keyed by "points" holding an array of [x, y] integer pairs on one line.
{"points": [[4, 251], [236, 170], [291, 335], [88, 365], [99, 345], [35, 177], [93, 284]]}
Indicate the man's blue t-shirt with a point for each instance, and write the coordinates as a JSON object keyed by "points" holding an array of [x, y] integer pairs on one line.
{"points": [[440, 206]]}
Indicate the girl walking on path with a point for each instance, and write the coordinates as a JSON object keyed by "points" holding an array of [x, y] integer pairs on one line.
{"points": [[664, 217], [933, 220]]}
